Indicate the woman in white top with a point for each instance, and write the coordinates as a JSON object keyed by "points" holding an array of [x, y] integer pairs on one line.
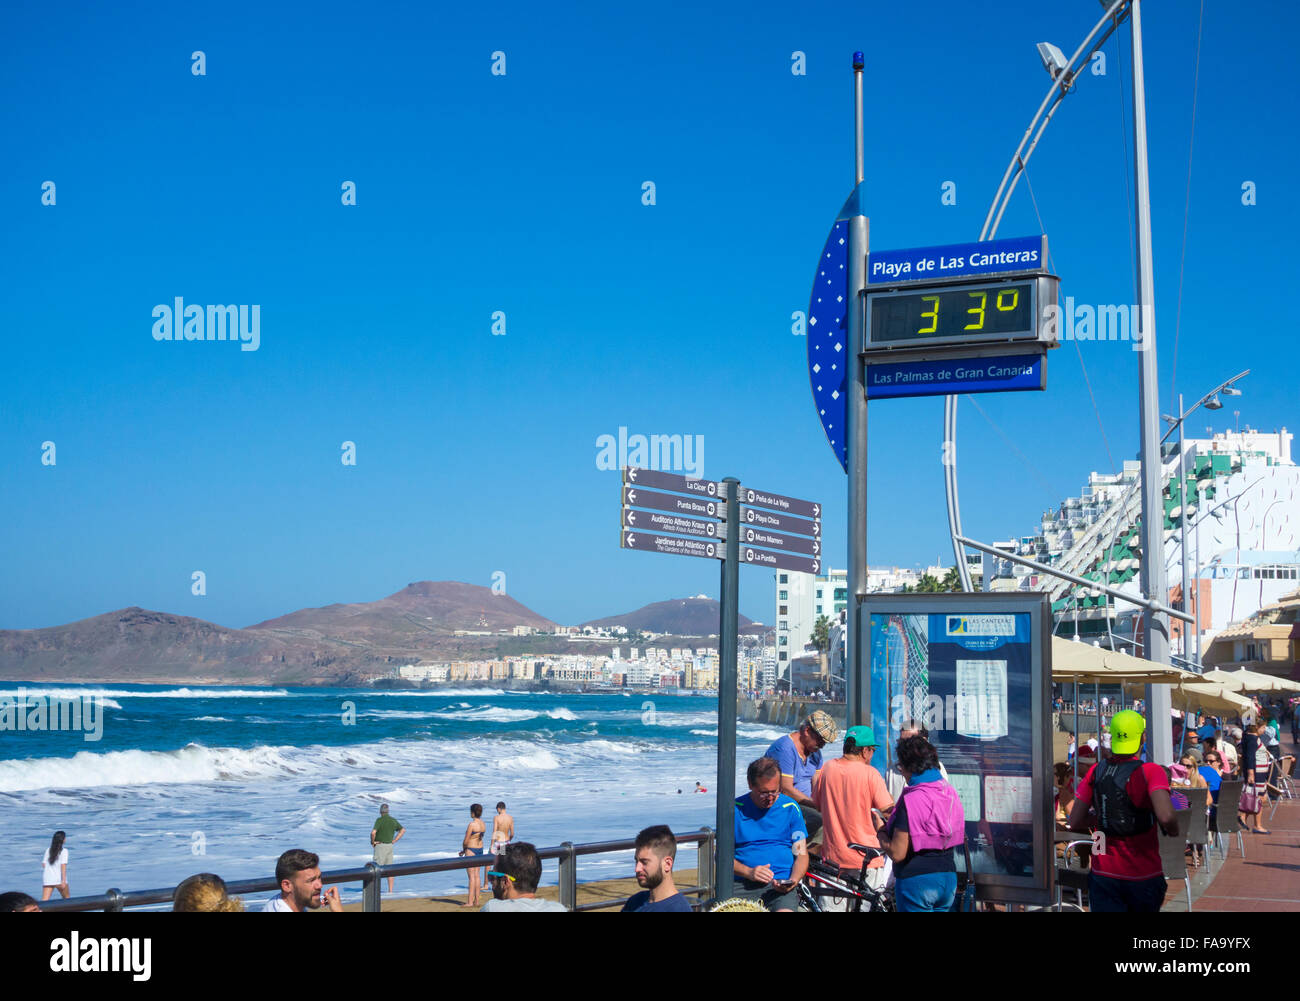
{"points": [[54, 866]]}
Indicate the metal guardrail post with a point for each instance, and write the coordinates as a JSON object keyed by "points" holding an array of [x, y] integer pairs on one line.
{"points": [[568, 876], [370, 891], [706, 861], [114, 900]]}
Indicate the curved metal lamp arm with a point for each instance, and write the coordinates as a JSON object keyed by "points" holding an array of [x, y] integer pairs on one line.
{"points": [[1113, 16]]}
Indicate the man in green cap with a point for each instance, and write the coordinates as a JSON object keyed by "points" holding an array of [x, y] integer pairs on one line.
{"points": [[846, 791], [1128, 798]]}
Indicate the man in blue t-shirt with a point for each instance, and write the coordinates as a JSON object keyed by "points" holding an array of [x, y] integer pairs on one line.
{"points": [[771, 840], [656, 849], [799, 756]]}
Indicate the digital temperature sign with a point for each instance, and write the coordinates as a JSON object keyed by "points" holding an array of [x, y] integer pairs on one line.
{"points": [[958, 314]]}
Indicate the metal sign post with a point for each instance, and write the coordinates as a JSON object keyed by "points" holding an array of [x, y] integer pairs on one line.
{"points": [[727, 642], [643, 518], [857, 679]]}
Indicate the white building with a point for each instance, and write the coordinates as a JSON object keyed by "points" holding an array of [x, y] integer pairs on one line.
{"points": [[801, 599], [769, 668], [1243, 538]]}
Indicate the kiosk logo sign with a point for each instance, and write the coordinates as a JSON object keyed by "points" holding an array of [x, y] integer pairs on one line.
{"points": [[980, 625]]}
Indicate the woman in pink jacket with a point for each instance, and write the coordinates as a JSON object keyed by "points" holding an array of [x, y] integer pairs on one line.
{"points": [[926, 826]]}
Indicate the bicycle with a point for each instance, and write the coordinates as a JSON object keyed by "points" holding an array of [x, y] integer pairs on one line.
{"points": [[823, 878]]}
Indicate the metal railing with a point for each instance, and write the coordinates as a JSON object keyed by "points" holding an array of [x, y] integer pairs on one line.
{"points": [[371, 875]]}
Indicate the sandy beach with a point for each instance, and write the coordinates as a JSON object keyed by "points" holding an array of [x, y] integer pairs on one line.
{"points": [[601, 890]]}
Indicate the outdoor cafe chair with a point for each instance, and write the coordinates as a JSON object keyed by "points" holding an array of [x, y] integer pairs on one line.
{"points": [[1068, 878], [1173, 858], [1225, 817]]}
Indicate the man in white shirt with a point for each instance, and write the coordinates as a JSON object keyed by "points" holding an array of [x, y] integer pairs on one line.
{"points": [[514, 882], [300, 884]]}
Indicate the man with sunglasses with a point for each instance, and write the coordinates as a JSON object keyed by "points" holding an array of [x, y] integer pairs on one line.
{"points": [[799, 756], [514, 882]]}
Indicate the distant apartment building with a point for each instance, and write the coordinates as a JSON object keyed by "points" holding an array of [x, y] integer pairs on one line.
{"points": [[424, 672], [640, 672], [1267, 642], [1240, 502], [802, 598]]}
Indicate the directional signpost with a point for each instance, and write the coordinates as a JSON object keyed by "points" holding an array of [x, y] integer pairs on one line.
{"points": [[781, 561], [772, 540], [780, 522], [672, 545], [655, 521], [711, 520], [669, 481], [701, 507]]}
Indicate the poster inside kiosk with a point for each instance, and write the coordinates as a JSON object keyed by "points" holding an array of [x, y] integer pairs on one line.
{"points": [[973, 670]]}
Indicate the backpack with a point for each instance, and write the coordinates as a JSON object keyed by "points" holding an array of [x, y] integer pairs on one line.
{"points": [[1116, 814]]}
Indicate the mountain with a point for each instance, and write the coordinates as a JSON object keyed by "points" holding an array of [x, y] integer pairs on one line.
{"points": [[411, 615], [337, 644], [696, 616], [138, 645]]}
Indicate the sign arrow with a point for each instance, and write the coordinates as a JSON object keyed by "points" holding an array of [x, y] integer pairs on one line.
{"points": [[660, 521], [698, 506], [671, 545], [778, 502], [788, 543], [760, 518], [781, 561], [674, 482]]}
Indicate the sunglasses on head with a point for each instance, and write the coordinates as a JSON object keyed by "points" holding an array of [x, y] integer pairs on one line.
{"points": [[500, 875]]}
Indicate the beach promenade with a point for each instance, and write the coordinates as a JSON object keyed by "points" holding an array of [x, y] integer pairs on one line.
{"points": [[1267, 879]]}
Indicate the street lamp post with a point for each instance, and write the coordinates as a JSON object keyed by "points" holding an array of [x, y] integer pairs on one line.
{"points": [[1155, 624], [1210, 401]]}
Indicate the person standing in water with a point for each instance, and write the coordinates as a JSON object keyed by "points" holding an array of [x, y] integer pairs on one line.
{"points": [[54, 868], [472, 844], [503, 832]]}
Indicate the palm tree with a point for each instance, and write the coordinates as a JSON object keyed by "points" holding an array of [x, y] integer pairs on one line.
{"points": [[951, 580], [821, 639], [821, 634]]}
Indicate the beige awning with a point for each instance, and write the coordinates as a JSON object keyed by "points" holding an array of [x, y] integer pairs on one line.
{"points": [[1086, 662], [1247, 681], [1208, 697]]}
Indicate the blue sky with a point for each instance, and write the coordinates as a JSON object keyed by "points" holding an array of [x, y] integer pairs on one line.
{"points": [[523, 193]]}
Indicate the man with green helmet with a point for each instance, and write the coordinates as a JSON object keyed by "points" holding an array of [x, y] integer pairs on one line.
{"points": [[1128, 798]]}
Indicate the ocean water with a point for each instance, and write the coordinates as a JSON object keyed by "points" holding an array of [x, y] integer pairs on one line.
{"points": [[192, 779]]}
